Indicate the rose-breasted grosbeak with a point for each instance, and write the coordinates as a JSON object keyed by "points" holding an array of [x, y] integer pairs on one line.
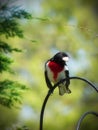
{"points": [[55, 70]]}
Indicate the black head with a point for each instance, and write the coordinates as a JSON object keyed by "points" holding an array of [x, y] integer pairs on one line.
{"points": [[60, 58]]}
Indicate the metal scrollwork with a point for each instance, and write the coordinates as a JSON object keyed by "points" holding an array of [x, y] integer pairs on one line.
{"points": [[51, 91]]}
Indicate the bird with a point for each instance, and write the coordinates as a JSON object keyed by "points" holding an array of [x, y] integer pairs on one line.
{"points": [[56, 69]]}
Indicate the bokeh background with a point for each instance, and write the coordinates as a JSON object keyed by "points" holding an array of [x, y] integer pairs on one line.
{"points": [[57, 25]]}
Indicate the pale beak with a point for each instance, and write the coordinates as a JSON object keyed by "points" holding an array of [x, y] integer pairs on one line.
{"points": [[65, 58]]}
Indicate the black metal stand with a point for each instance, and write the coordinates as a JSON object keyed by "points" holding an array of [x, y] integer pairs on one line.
{"points": [[83, 116], [51, 91]]}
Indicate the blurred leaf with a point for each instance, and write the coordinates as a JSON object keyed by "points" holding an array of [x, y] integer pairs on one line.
{"points": [[7, 48], [5, 62], [10, 92]]}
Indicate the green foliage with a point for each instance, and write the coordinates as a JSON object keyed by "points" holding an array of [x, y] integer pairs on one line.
{"points": [[22, 128], [8, 21], [5, 60], [10, 91], [5, 63], [4, 47]]}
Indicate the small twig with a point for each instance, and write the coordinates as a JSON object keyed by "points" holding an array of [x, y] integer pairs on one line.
{"points": [[51, 91], [83, 116]]}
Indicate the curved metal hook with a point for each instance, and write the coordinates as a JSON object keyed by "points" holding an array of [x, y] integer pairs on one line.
{"points": [[83, 116], [51, 91]]}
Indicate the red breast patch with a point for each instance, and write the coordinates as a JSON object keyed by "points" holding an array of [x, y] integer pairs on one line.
{"points": [[55, 68]]}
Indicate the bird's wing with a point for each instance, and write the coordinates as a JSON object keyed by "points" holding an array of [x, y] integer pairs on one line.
{"points": [[67, 76], [49, 85]]}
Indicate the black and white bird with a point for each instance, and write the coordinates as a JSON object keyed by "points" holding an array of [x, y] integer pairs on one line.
{"points": [[55, 70]]}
